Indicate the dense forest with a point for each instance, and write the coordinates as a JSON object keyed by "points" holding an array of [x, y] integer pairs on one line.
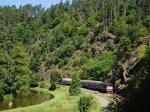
{"points": [[104, 40]]}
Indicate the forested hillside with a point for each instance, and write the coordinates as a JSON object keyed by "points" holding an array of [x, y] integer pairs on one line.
{"points": [[104, 40]]}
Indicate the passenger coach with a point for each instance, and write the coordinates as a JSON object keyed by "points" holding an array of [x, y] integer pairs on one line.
{"points": [[90, 84]]}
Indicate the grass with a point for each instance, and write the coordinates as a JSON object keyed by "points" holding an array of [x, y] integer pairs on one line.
{"points": [[96, 106], [62, 102]]}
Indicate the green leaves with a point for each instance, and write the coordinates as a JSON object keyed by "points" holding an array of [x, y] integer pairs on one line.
{"points": [[15, 73], [66, 29], [55, 79], [147, 22], [85, 103], [74, 89], [82, 30], [125, 47], [97, 68], [64, 51]]}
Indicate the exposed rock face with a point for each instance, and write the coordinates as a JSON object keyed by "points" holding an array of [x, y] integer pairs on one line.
{"points": [[105, 43], [45, 73], [122, 70]]}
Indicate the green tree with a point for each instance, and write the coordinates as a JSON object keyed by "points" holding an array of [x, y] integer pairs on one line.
{"points": [[55, 79], [3, 72], [75, 85], [66, 29], [20, 67], [125, 47], [3, 64], [1, 90], [97, 68], [147, 22]]}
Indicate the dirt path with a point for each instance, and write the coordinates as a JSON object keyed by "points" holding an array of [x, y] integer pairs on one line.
{"points": [[103, 101]]}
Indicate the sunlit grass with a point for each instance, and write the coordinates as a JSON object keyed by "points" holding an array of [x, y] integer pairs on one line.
{"points": [[62, 102]]}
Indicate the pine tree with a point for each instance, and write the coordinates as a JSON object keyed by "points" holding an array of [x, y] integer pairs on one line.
{"points": [[20, 68], [3, 71]]}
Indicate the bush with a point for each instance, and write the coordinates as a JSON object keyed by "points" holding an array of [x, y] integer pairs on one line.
{"points": [[35, 79], [44, 84], [85, 103], [8, 97], [23, 92]]}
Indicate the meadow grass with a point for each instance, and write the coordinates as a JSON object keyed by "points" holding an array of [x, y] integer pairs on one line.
{"points": [[61, 102]]}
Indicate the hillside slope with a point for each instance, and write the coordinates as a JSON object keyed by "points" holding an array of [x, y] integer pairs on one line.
{"points": [[99, 40]]}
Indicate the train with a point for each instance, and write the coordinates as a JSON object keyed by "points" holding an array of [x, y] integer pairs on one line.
{"points": [[90, 84]]}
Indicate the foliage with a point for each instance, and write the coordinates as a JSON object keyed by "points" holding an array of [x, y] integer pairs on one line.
{"points": [[20, 67], [96, 68], [136, 89], [8, 97], [44, 84], [66, 29], [119, 27], [147, 22], [136, 32], [1, 90], [82, 30], [74, 89], [64, 51], [80, 61], [23, 92], [35, 79], [125, 47], [55, 80], [141, 51], [15, 74], [85, 103], [64, 35]]}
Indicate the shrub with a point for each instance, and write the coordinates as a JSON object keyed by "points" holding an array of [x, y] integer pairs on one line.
{"points": [[8, 97], [44, 84], [35, 79], [23, 92], [85, 103]]}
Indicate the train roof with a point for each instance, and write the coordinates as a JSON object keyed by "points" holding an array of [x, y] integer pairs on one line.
{"points": [[108, 84], [91, 81], [67, 79]]}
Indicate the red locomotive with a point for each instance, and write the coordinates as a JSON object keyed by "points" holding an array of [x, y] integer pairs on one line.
{"points": [[95, 85]]}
